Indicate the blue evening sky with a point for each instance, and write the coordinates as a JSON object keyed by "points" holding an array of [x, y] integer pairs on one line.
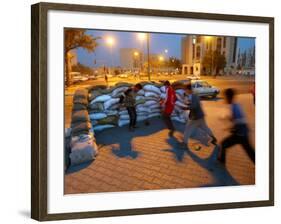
{"points": [[158, 44]]}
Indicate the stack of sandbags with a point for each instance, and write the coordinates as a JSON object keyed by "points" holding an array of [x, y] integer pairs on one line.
{"points": [[83, 145], [105, 110]]}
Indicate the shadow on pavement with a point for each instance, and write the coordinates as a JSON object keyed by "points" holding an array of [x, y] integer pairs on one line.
{"points": [[122, 142], [220, 174], [73, 169]]}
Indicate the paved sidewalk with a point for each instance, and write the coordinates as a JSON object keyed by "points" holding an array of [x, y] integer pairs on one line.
{"points": [[149, 159]]}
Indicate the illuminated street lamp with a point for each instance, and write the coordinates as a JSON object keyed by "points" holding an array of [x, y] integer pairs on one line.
{"points": [[142, 37], [110, 41], [136, 54]]}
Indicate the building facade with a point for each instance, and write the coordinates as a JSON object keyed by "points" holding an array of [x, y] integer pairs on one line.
{"points": [[195, 47], [130, 58]]}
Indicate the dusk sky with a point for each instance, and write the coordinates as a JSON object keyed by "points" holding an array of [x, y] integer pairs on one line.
{"points": [[158, 44]]}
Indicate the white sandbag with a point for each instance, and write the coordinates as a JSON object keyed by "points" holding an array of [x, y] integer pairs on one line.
{"points": [[123, 112], [114, 106], [123, 122], [67, 132], [152, 88], [118, 91], [140, 97], [154, 115], [111, 112], [154, 106], [155, 110], [97, 116], [150, 103], [181, 104], [107, 104], [180, 92], [124, 116], [143, 109], [142, 118], [83, 151], [176, 118], [101, 98], [178, 109], [140, 92], [163, 96], [142, 114], [151, 94], [163, 89], [98, 128]]}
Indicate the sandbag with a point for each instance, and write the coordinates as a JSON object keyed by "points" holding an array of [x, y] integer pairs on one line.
{"points": [[143, 109], [142, 118], [157, 114], [80, 115], [108, 120], [83, 151], [99, 128], [152, 98], [123, 122], [118, 91], [152, 88], [124, 116], [140, 97], [96, 107], [80, 128], [79, 100], [163, 96], [114, 106], [81, 93], [107, 104], [163, 89], [111, 112], [176, 118], [97, 116], [78, 106], [141, 101], [180, 104], [141, 92], [123, 112], [155, 110], [180, 92], [101, 98], [150, 103], [151, 94]]}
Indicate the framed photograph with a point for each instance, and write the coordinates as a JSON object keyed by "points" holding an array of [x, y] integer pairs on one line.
{"points": [[139, 111]]}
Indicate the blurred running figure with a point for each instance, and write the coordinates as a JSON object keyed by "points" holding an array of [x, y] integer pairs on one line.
{"points": [[169, 105], [196, 118], [239, 130]]}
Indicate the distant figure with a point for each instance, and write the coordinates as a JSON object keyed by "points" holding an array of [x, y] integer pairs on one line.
{"points": [[169, 105], [239, 131], [128, 99], [106, 79], [196, 118], [253, 91]]}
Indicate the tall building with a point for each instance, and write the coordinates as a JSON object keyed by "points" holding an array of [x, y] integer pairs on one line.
{"points": [[130, 58], [194, 49]]}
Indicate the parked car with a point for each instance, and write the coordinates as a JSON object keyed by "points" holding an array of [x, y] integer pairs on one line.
{"points": [[123, 75], [193, 77], [204, 89]]}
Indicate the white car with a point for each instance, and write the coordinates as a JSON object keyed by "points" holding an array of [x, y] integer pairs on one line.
{"points": [[123, 75], [204, 89]]}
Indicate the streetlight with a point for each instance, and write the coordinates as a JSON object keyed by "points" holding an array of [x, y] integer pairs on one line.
{"points": [[110, 41], [136, 54], [142, 37], [161, 59]]}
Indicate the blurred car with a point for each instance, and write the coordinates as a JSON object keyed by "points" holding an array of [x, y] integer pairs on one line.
{"points": [[193, 77], [204, 89], [123, 75]]}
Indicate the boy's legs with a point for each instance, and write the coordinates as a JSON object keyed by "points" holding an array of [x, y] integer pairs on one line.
{"points": [[226, 143], [189, 128], [203, 126], [134, 119], [248, 148], [131, 116]]}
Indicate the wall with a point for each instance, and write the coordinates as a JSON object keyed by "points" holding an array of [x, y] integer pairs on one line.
{"points": [[15, 112]]}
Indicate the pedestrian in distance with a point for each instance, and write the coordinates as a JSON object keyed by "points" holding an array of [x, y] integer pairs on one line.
{"points": [[239, 129], [106, 79], [196, 118], [169, 105]]}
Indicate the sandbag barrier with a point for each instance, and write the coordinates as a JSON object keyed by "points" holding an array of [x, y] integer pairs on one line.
{"points": [[105, 110], [80, 141]]}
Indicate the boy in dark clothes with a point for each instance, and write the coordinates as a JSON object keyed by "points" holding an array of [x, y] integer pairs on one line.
{"points": [[239, 131]]}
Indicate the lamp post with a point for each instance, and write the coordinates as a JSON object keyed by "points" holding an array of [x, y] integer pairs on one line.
{"points": [[161, 59], [142, 37], [110, 42]]}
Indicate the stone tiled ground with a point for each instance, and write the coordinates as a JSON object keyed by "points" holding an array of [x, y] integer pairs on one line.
{"points": [[149, 159]]}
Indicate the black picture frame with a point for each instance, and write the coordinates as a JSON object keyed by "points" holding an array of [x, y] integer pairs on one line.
{"points": [[39, 107]]}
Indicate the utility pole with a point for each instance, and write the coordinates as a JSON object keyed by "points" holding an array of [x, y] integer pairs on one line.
{"points": [[148, 58]]}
